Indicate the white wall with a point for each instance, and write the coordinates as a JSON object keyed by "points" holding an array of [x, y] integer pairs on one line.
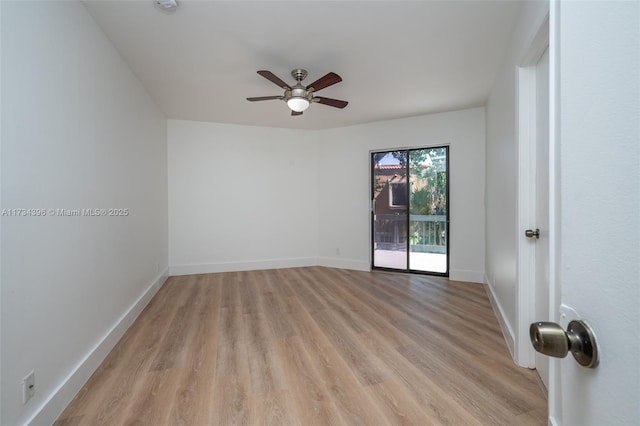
{"points": [[78, 131], [344, 168], [241, 197], [501, 178], [252, 197]]}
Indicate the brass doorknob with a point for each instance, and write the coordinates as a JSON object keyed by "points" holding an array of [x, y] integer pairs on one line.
{"points": [[550, 339], [531, 233]]}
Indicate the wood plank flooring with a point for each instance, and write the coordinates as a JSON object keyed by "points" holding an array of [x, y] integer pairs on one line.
{"points": [[311, 346]]}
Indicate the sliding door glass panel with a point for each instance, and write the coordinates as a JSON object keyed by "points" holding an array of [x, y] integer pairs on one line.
{"points": [[390, 207], [428, 210]]}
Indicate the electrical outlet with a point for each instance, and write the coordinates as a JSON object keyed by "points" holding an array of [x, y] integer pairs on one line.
{"points": [[338, 251], [28, 387]]}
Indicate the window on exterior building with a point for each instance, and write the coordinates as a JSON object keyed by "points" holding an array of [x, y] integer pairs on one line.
{"points": [[398, 194]]}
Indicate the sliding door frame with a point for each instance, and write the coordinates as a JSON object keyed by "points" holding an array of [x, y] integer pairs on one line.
{"points": [[408, 214]]}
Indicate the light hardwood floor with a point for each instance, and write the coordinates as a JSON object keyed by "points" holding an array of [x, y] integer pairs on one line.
{"points": [[311, 346]]}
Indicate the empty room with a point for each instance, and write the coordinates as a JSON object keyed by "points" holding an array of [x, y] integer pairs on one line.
{"points": [[319, 212]]}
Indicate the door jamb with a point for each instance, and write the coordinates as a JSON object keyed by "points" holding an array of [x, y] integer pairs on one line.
{"points": [[555, 285], [526, 134]]}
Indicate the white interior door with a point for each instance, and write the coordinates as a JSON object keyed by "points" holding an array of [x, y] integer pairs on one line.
{"points": [[542, 204], [596, 108]]}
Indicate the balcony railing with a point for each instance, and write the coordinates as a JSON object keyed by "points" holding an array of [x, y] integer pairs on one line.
{"points": [[427, 233]]}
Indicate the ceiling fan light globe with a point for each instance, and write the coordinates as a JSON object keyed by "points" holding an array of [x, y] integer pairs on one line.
{"points": [[298, 104]]}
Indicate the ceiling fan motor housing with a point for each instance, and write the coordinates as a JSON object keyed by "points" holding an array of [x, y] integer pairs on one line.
{"points": [[298, 91]]}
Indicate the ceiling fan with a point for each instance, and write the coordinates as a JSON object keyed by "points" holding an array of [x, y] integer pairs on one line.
{"points": [[299, 97]]}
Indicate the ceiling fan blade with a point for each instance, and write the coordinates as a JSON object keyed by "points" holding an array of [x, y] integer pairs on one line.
{"points": [[331, 102], [326, 81], [274, 79], [264, 98], [296, 113]]}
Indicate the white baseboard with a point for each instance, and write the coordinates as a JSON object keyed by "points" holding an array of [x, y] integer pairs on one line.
{"points": [[468, 276], [251, 265], [330, 262], [334, 262], [507, 332], [53, 406]]}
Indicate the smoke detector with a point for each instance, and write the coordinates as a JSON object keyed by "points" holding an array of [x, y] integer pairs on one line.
{"points": [[168, 6]]}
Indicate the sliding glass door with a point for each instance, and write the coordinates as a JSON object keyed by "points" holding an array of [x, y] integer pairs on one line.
{"points": [[410, 212]]}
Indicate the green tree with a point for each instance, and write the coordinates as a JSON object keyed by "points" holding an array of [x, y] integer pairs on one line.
{"points": [[428, 181]]}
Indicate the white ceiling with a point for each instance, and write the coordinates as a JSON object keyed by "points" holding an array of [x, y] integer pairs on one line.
{"points": [[396, 58]]}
